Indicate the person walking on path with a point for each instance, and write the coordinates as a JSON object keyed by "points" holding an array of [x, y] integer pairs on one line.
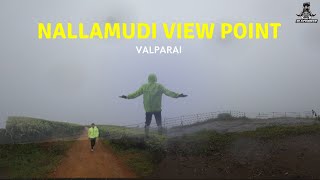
{"points": [[93, 134], [152, 96]]}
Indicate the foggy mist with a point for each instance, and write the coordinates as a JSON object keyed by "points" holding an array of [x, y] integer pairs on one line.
{"points": [[80, 80]]}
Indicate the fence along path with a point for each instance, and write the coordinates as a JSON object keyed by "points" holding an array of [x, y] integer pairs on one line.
{"points": [[179, 125], [241, 122], [195, 118], [258, 118]]}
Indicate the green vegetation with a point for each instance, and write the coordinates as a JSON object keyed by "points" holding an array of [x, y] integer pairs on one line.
{"points": [[132, 138], [220, 117], [3, 137], [282, 131], [26, 129], [115, 132], [141, 154], [209, 142], [141, 161], [202, 143], [31, 160]]}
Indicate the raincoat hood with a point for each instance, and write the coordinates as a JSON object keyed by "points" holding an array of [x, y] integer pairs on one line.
{"points": [[152, 78]]}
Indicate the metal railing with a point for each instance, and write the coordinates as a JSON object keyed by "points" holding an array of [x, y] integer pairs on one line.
{"points": [[185, 120], [202, 117]]}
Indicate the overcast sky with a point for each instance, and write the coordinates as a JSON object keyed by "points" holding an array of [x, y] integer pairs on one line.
{"points": [[80, 80]]}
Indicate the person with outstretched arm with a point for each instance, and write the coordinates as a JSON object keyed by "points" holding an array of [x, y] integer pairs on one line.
{"points": [[93, 134], [152, 96]]}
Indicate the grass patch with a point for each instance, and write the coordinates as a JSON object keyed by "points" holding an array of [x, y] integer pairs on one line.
{"points": [[282, 131], [140, 154], [143, 156], [220, 117], [141, 161], [32, 160], [202, 143], [208, 142], [4, 138], [27, 129], [115, 132]]}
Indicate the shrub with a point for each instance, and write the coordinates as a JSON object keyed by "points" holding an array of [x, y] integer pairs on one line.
{"points": [[224, 116], [26, 129]]}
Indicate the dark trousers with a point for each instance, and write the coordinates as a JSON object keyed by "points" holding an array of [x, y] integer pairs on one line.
{"points": [[93, 142], [157, 116]]}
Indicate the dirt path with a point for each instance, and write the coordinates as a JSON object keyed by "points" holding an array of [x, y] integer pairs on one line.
{"points": [[82, 163]]}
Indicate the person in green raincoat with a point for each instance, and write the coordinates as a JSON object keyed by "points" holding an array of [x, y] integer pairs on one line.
{"points": [[152, 96], [93, 134]]}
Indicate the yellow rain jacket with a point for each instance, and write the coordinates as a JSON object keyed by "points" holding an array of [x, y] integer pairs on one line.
{"points": [[152, 94], [93, 132]]}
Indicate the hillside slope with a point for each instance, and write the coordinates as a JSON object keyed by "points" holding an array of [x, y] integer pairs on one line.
{"points": [[270, 152]]}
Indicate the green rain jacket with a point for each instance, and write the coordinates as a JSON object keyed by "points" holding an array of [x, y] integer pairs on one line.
{"points": [[152, 94], [93, 132]]}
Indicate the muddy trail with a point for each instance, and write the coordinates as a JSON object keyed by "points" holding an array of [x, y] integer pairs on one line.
{"points": [[80, 162]]}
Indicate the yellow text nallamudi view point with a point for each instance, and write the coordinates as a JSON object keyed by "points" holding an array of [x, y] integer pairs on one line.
{"points": [[174, 30]]}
